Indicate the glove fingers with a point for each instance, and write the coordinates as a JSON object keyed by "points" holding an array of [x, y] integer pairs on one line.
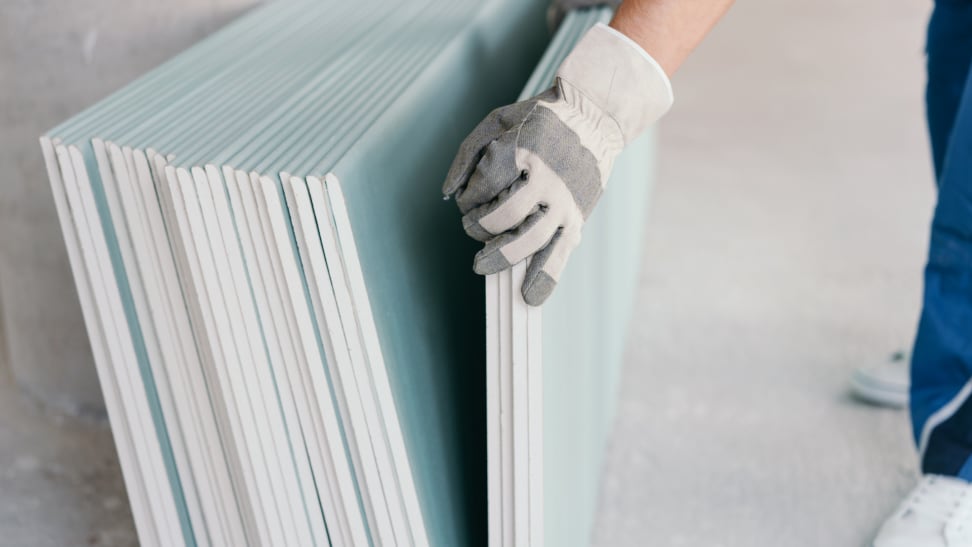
{"points": [[507, 249], [546, 266], [510, 208], [496, 171], [471, 151]]}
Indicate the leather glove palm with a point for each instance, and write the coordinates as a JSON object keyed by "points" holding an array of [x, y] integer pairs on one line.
{"points": [[530, 173]]}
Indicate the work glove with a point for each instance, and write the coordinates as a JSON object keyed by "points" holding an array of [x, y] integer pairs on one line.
{"points": [[529, 174]]}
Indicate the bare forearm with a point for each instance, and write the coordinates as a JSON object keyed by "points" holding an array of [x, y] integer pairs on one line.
{"points": [[668, 29]]}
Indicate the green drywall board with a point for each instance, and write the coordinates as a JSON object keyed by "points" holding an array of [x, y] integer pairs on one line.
{"points": [[584, 330], [427, 302], [585, 323]]}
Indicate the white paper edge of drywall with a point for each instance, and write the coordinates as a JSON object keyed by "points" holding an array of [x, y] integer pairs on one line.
{"points": [[234, 278], [101, 272], [337, 276], [535, 371], [132, 386], [271, 212], [514, 339], [278, 364], [521, 408], [213, 310], [388, 490], [494, 444], [199, 204], [338, 360], [124, 377], [295, 362], [143, 295], [117, 416], [352, 532], [311, 368], [182, 366], [206, 343], [290, 468], [188, 362], [508, 454], [376, 364], [210, 350], [141, 292]]}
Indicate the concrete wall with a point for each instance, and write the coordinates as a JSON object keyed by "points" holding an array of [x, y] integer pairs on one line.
{"points": [[57, 57]]}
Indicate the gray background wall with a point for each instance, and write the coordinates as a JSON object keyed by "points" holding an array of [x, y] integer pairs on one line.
{"points": [[57, 57]]}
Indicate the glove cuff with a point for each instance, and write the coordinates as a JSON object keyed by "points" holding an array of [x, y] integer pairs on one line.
{"points": [[620, 77]]}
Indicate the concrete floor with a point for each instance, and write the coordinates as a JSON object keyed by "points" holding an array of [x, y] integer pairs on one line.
{"points": [[60, 484], [785, 247]]}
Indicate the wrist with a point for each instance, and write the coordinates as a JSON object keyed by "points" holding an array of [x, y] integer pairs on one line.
{"points": [[620, 77]]}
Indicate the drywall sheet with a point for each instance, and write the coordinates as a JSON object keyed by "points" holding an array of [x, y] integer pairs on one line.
{"points": [[416, 259], [584, 332], [552, 372], [292, 358]]}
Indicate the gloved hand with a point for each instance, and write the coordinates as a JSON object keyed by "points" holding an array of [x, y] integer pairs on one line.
{"points": [[530, 173]]}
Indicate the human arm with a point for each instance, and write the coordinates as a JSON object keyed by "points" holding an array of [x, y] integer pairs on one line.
{"points": [[668, 30]]}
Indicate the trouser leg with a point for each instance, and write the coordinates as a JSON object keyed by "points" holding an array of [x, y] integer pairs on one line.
{"points": [[949, 49], [941, 407]]}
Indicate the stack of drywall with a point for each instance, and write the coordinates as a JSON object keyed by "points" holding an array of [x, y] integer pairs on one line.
{"points": [[552, 372], [285, 326]]}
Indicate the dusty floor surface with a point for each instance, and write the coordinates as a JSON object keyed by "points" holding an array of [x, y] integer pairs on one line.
{"points": [[785, 247], [60, 484]]}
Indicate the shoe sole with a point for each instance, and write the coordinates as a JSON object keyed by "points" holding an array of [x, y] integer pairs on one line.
{"points": [[878, 394]]}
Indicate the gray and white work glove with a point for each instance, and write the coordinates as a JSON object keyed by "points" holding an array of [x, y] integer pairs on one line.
{"points": [[530, 173]]}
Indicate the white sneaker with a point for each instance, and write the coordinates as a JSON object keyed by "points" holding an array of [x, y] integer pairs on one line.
{"points": [[886, 384], [937, 513]]}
